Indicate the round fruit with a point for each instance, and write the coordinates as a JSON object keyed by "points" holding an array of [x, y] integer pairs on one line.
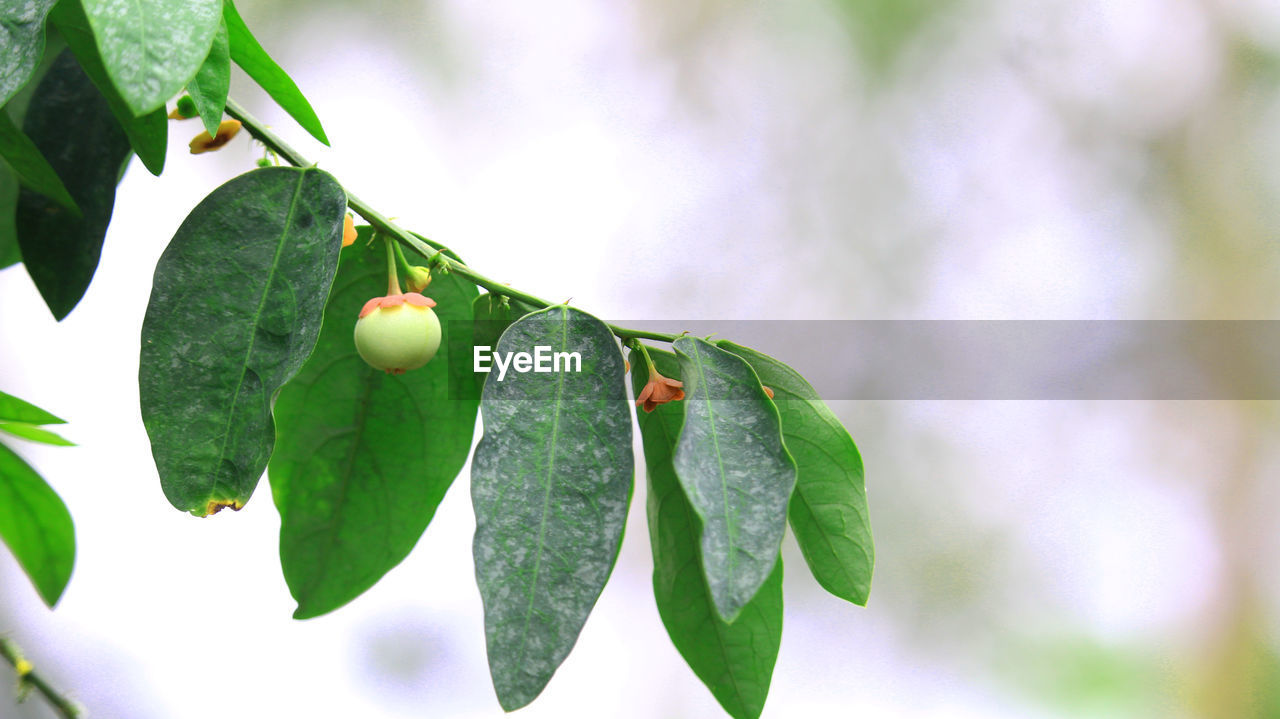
{"points": [[398, 332]]}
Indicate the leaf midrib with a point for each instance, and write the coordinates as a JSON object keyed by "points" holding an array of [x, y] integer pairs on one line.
{"points": [[257, 315]]}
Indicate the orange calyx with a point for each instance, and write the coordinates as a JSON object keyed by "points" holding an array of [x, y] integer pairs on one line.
{"points": [[411, 298], [659, 390]]}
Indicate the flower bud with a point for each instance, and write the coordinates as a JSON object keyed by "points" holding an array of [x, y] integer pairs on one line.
{"points": [[418, 278], [397, 333]]}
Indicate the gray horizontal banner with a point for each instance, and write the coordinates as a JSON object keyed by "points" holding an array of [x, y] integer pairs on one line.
{"points": [[1014, 359]]}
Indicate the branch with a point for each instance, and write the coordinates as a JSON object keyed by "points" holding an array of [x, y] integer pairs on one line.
{"points": [[436, 253], [28, 679]]}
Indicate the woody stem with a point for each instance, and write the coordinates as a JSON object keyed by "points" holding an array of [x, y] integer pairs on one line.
{"points": [[427, 248]]}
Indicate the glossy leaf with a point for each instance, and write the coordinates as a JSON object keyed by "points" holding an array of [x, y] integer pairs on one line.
{"points": [[235, 309], [71, 124], [13, 409], [21, 43], [735, 660], [828, 510], [16, 109], [363, 458], [148, 134], [734, 469], [550, 484], [32, 170], [34, 434], [36, 526], [257, 64], [151, 48], [209, 88]]}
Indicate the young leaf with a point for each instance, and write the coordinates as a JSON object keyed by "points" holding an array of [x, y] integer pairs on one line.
{"points": [[735, 660], [36, 525], [21, 43], [13, 409], [30, 166], [209, 88], [257, 64], [71, 124], [151, 48], [148, 134], [550, 483], [34, 434], [235, 309], [828, 510], [734, 469], [363, 458]]}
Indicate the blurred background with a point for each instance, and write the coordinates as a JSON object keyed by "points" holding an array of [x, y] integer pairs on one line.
{"points": [[716, 160]]}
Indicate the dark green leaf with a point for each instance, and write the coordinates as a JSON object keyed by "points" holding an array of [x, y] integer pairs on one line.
{"points": [[734, 469], [212, 82], [16, 109], [257, 64], [148, 134], [235, 309], [363, 458], [828, 510], [36, 525], [35, 434], [550, 483], [21, 43], [33, 170], [13, 409], [151, 48], [735, 660], [72, 125]]}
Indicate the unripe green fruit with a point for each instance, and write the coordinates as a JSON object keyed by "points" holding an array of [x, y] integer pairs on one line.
{"points": [[398, 333]]}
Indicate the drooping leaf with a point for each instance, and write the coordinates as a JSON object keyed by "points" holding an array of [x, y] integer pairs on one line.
{"points": [[363, 458], [13, 409], [828, 510], [734, 469], [492, 315], [34, 434], [71, 124], [148, 133], [36, 526], [257, 64], [16, 109], [21, 43], [209, 88], [235, 309], [32, 169], [735, 660], [550, 482], [151, 48]]}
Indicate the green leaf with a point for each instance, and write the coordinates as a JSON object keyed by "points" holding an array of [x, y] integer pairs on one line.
{"points": [[71, 124], [550, 483], [735, 660], [36, 525], [828, 510], [734, 469], [209, 88], [16, 109], [33, 170], [235, 309], [148, 134], [257, 64], [13, 409], [21, 43], [35, 434], [363, 458], [151, 48]]}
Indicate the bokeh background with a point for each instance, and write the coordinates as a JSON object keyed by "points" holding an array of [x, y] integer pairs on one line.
{"points": [[709, 159]]}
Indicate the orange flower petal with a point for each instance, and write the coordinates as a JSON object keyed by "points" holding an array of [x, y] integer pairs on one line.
{"points": [[348, 231]]}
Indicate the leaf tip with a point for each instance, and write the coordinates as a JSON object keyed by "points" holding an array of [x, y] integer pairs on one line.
{"points": [[217, 505]]}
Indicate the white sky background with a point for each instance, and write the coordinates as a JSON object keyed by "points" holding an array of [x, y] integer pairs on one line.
{"points": [[562, 147]]}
